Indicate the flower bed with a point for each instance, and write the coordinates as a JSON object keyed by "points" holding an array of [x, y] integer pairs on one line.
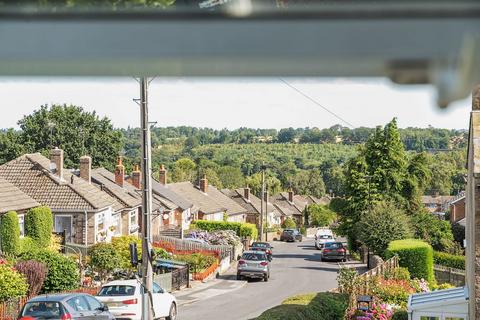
{"points": [[206, 273]]}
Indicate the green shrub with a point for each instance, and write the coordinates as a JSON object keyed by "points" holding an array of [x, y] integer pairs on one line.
{"points": [[27, 244], [415, 255], [122, 248], [319, 215], [436, 232], [197, 262], [289, 223], [313, 306], [12, 283], [397, 274], [241, 229], [104, 259], [10, 233], [39, 225], [63, 273], [400, 315], [449, 260], [35, 273]]}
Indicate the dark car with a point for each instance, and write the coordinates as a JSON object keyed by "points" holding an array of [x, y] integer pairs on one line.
{"points": [[69, 306], [333, 251], [291, 235], [263, 246]]}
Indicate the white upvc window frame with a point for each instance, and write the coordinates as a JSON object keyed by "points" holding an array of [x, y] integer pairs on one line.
{"points": [[133, 227], [21, 224], [99, 220]]}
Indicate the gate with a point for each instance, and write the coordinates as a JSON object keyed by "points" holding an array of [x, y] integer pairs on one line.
{"points": [[180, 278]]}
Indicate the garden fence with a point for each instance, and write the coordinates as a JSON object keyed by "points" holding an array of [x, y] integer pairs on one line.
{"points": [[174, 244], [364, 279]]}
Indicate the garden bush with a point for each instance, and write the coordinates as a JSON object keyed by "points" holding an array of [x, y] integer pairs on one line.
{"points": [[197, 262], [39, 225], [12, 283], [319, 215], [393, 291], [400, 315], [27, 244], [35, 273], [438, 233], [415, 255], [10, 233], [313, 306], [449, 260], [104, 259], [63, 273], [241, 229], [122, 247], [289, 223], [397, 274]]}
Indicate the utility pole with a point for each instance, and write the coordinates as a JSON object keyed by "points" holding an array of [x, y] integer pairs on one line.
{"points": [[262, 196], [147, 270]]}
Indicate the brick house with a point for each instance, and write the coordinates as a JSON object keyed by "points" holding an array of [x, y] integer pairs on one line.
{"points": [[290, 205], [457, 209]]}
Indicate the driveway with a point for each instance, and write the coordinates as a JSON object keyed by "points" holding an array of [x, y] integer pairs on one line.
{"points": [[296, 268]]}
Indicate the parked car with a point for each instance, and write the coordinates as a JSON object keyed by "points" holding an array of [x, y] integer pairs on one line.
{"points": [[263, 246], [68, 306], [253, 264], [333, 251], [124, 300], [322, 236], [291, 235]]}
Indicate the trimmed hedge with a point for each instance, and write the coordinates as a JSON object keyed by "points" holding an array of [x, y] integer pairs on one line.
{"points": [[39, 225], [449, 260], [241, 229], [10, 233], [414, 254]]}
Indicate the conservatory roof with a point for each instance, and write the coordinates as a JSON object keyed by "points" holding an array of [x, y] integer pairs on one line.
{"points": [[454, 296]]}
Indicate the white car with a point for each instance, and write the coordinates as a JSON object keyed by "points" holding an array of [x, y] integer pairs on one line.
{"points": [[124, 300], [323, 236]]}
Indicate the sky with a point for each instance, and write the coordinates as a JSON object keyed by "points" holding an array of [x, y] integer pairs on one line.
{"points": [[237, 102]]}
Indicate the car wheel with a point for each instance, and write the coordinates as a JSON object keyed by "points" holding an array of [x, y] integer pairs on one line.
{"points": [[344, 260], [172, 315], [321, 258], [265, 278], [239, 277]]}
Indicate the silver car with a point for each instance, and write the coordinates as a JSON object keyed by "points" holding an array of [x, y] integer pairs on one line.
{"points": [[253, 264]]}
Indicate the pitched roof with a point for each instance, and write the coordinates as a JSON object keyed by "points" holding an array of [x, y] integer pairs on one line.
{"points": [[127, 194], [13, 199], [437, 199], [253, 205], [289, 208], [325, 200], [211, 202], [31, 174], [170, 195]]}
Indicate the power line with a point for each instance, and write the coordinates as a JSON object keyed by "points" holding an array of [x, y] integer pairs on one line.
{"points": [[318, 104]]}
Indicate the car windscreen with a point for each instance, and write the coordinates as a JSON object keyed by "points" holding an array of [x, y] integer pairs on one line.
{"points": [[288, 231], [117, 290], [260, 245], [253, 256], [43, 310], [325, 236], [334, 245]]}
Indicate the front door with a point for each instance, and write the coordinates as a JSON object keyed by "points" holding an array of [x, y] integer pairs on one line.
{"points": [[64, 222]]}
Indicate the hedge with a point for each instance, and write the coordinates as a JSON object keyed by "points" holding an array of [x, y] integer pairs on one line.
{"points": [[449, 260], [12, 283], [241, 229], [414, 254], [39, 225], [10, 233]]}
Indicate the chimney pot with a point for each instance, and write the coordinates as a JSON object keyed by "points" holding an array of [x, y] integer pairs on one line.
{"points": [[120, 173], [204, 184], [246, 193], [136, 177], [290, 195], [162, 175], [56, 158], [86, 168]]}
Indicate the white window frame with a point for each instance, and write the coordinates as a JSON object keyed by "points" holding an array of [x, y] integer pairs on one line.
{"points": [[71, 225], [117, 218], [21, 224], [132, 228], [98, 217]]}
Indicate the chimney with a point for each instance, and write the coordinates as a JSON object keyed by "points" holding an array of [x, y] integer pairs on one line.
{"points": [[56, 159], [162, 175], [246, 193], [290, 195], [204, 184], [136, 177], [120, 173], [86, 168]]}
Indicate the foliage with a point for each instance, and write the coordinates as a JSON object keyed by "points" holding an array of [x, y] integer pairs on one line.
{"points": [[10, 233], [27, 244], [393, 291], [183, 170], [35, 273], [272, 184], [39, 225], [309, 182], [74, 130], [197, 262], [458, 232], [319, 215], [231, 177], [381, 225], [10, 145], [449, 260], [416, 255], [397, 274], [104, 259], [12, 283], [241, 229], [122, 248], [400, 315], [323, 305], [347, 280], [433, 230], [289, 223], [161, 253], [63, 273]]}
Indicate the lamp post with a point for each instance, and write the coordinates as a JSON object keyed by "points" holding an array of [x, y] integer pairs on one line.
{"points": [[262, 198]]}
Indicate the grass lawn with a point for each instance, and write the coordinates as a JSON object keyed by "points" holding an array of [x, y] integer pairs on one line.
{"points": [[312, 306]]}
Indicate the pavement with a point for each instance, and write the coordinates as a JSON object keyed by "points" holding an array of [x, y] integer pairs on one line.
{"points": [[296, 268]]}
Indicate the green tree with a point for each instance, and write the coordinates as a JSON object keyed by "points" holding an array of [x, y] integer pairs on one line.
{"points": [[39, 225], [10, 145], [184, 170], [273, 185], [10, 233], [309, 183], [438, 233], [319, 215], [104, 259], [231, 177], [381, 225], [76, 131], [122, 247], [289, 223]]}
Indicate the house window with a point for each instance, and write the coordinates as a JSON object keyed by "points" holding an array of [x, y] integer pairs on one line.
{"points": [[133, 221], [429, 318], [21, 223], [64, 223], [116, 226], [101, 233]]}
